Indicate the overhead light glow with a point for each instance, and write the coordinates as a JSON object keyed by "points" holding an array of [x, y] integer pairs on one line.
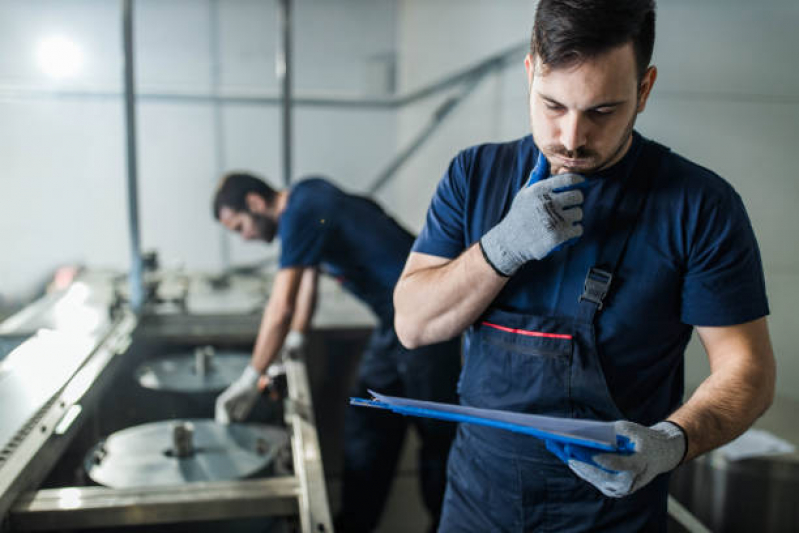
{"points": [[59, 57]]}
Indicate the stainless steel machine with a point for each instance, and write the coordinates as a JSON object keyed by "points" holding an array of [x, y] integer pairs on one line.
{"points": [[203, 369], [107, 415]]}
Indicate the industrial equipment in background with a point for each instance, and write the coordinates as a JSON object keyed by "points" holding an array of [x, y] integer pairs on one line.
{"points": [[108, 414]]}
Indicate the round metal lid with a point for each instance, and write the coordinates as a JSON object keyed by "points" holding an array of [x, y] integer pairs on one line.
{"points": [[172, 452], [202, 370]]}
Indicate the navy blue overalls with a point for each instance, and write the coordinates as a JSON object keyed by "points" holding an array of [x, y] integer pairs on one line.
{"points": [[501, 481]]}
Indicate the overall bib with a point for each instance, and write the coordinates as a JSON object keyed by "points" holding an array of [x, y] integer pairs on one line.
{"points": [[502, 481]]}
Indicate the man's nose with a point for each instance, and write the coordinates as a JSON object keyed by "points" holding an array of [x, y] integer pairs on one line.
{"points": [[573, 131]]}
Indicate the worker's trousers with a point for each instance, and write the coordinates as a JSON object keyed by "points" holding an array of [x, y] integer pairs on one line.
{"points": [[374, 438]]}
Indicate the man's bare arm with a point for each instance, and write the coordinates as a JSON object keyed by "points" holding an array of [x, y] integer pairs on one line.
{"points": [[739, 389], [306, 301], [437, 298], [277, 317]]}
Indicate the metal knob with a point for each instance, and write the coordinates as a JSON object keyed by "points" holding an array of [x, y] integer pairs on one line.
{"points": [[203, 356], [182, 439]]}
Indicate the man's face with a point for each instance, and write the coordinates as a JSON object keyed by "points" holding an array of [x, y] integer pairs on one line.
{"points": [[582, 115], [251, 226]]}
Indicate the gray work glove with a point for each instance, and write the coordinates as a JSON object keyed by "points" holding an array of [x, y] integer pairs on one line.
{"points": [[541, 218], [236, 402], [656, 449]]}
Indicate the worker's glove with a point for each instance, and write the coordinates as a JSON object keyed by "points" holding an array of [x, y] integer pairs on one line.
{"points": [[655, 450], [543, 216], [294, 345], [236, 402]]}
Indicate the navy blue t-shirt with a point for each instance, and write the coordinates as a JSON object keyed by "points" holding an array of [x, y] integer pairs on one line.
{"points": [[692, 259], [349, 237]]}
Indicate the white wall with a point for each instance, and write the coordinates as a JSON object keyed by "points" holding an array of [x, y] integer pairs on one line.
{"points": [[440, 37], [727, 97], [63, 183]]}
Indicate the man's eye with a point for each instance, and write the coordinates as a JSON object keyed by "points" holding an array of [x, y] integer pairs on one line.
{"points": [[602, 111], [553, 107]]}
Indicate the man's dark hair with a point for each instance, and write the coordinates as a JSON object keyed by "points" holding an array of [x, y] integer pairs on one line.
{"points": [[567, 32], [233, 189]]}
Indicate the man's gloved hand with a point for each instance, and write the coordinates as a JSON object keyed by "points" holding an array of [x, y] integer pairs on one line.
{"points": [[236, 402], [294, 345], [657, 449], [541, 217]]}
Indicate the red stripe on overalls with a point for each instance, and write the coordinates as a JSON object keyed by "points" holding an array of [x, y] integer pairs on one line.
{"points": [[527, 332]]}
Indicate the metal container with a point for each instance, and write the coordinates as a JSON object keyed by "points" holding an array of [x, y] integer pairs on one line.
{"points": [[176, 452], [758, 494]]}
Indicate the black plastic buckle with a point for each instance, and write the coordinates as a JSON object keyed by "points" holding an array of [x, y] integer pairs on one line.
{"points": [[597, 285]]}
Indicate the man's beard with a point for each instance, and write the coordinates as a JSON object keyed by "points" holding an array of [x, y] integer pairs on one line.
{"points": [[592, 160], [266, 227]]}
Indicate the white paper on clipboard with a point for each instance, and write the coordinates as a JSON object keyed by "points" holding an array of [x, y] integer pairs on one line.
{"points": [[600, 432]]}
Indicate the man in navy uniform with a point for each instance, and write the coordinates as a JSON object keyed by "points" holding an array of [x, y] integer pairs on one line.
{"points": [[578, 260], [322, 228]]}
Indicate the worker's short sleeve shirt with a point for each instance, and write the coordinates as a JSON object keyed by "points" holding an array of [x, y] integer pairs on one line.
{"points": [[691, 260], [304, 226], [349, 237]]}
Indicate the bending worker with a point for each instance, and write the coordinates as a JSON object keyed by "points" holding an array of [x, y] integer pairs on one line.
{"points": [[353, 239], [578, 260]]}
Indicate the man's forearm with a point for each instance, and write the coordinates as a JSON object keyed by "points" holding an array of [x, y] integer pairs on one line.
{"points": [[277, 318], [272, 333], [306, 301], [722, 408], [436, 303], [739, 389]]}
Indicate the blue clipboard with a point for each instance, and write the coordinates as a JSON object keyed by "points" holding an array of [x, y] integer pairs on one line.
{"points": [[622, 444]]}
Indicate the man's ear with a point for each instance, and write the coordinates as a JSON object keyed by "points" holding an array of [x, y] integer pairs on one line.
{"points": [[645, 88], [529, 67], [255, 203]]}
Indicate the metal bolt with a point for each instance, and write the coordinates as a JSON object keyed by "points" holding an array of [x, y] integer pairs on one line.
{"points": [[182, 439], [202, 360]]}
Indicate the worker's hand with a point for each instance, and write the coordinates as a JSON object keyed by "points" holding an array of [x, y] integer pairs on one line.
{"points": [[236, 402], [656, 449], [542, 217], [294, 345]]}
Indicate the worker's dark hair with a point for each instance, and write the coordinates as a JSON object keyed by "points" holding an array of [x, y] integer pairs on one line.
{"points": [[233, 189], [567, 32]]}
